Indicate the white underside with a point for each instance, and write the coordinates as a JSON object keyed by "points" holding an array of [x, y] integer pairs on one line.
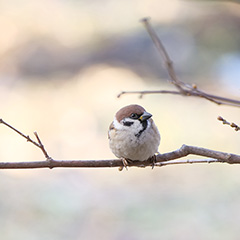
{"points": [[124, 143]]}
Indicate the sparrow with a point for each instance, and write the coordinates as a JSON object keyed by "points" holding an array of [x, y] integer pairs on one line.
{"points": [[133, 135]]}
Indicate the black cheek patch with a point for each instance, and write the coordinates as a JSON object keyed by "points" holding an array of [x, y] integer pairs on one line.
{"points": [[128, 123], [144, 124]]}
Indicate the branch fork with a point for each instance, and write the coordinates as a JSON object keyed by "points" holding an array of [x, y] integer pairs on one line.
{"points": [[37, 144], [183, 88]]}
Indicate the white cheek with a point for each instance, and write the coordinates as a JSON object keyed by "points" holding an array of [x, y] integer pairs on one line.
{"points": [[118, 125], [133, 129]]}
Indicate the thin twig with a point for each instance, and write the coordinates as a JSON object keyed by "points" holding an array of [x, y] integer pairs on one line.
{"points": [[42, 147], [233, 125], [184, 89], [148, 92], [38, 144], [218, 99], [20, 133], [186, 161], [161, 49]]}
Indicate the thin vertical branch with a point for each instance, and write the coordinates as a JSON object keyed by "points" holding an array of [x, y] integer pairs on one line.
{"points": [[183, 88]]}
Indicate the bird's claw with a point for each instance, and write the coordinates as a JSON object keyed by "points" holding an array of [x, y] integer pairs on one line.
{"points": [[153, 160], [125, 164]]}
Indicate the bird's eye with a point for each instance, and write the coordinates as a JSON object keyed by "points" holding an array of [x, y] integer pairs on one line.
{"points": [[134, 116]]}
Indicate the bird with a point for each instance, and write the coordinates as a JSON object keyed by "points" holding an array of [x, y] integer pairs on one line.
{"points": [[133, 135]]}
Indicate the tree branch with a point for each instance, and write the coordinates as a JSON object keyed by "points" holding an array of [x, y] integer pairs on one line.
{"points": [[183, 88], [161, 160], [37, 144], [232, 125]]}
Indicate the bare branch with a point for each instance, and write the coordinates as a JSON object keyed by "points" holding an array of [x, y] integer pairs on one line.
{"points": [[148, 92], [161, 159], [42, 147], [186, 150], [219, 100], [184, 89], [17, 131], [233, 125], [38, 144], [163, 52], [186, 161]]}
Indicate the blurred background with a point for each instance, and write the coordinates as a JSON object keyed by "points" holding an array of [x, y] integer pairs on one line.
{"points": [[62, 64]]}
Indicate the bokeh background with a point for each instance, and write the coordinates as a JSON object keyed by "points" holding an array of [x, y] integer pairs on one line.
{"points": [[62, 64]]}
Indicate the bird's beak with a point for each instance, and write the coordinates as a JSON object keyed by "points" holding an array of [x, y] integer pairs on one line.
{"points": [[145, 116]]}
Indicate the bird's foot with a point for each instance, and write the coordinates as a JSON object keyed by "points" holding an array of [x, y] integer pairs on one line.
{"points": [[125, 164], [153, 160]]}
